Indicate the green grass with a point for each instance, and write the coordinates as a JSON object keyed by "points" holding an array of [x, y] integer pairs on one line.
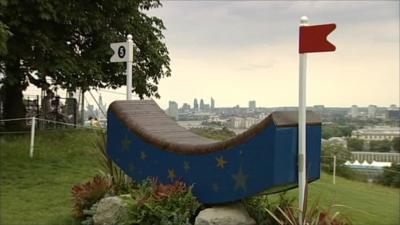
{"points": [[363, 203], [38, 191]]}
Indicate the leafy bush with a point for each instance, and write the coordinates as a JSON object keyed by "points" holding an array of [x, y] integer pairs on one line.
{"points": [[282, 211], [256, 207], [155, 203], [390, 176], [87, 194]]}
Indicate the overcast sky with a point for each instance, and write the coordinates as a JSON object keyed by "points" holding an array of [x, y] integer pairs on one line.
{"points": [[236, 51]]}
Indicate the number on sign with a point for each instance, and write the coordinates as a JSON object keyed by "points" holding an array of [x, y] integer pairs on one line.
{"points": [[121, 51]]}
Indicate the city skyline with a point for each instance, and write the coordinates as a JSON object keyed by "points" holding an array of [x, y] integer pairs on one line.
{"points": [[241, 51], [236, 51]]}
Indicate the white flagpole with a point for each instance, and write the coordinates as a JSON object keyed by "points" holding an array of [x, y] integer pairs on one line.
{"points": [[129, 68], [302, 127]]}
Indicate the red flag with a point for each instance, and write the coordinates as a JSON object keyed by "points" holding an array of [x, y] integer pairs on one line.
{"points": [[313, 38]]}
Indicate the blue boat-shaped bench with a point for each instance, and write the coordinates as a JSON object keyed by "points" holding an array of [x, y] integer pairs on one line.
{"points": [[144, 142]]}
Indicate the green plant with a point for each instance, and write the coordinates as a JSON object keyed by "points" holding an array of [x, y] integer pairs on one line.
{"points": [[156, 203], [87, 194], [120, 183], [286, 214], [390, 176], [256, 206]]}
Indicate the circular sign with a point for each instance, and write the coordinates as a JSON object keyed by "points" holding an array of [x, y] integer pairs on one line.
{"points": [[121, 51]]}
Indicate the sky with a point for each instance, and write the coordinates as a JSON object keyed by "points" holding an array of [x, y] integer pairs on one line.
{"points": [[237, 51]]}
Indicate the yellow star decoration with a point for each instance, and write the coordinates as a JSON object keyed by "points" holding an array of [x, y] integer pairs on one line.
{"points": [[186, 166], [171, 175], [143, 155], [215, 187], [125, 143], [131, 167], [221, 162], [240, 179]]}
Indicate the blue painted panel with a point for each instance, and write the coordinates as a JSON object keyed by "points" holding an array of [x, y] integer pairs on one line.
{"points": [[268, 160]]}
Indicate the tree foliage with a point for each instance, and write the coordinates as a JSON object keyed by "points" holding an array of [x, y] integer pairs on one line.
{"points": [[380, 146], [66, 43], [329, 150], [396, 144], [355, 144], [391, 176], [334, 130]]}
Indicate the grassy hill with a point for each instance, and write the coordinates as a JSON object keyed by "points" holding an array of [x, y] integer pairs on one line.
{"points": [[37, 191]]}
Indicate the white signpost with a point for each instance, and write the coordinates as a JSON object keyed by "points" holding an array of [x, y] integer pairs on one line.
{"points": [[311, 39], [123, 52]]}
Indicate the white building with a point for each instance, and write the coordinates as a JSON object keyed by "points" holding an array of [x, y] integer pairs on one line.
{"points": [[172, 110], [376, 133], [241, 123], [372, 111], [354, 111]]}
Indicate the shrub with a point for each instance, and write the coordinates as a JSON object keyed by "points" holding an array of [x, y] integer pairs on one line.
{"points": [[155, 203], [282, 211], [120, 183], [87, 194], [285, 213], [256, 207], [390, 176]]}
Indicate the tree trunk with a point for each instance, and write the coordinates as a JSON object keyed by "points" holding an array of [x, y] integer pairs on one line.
{"points": [[13, 98]]}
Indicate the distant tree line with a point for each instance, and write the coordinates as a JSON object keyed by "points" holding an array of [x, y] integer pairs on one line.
{"points": [[354, 144], [211, 133]]}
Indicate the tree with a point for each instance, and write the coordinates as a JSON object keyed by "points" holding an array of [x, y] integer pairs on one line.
{"points": [[66, 43], [329, 150], [380, 146], [354, 144], [4, 33], [396, 144]]}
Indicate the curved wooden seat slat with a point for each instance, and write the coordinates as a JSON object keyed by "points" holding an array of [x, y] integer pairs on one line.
{"points": [[146, 119]]}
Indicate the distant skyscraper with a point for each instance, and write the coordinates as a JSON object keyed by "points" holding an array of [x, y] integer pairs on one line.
{"points": [[212, 104], [172, 110], [185, 108], [252, 105], [372, 111], [102, 109], [195, 105], [201, 105], [354, 111]]}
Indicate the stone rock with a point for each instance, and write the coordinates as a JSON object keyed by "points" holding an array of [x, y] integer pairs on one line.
{"points": [[110, 210], [234, 214]]}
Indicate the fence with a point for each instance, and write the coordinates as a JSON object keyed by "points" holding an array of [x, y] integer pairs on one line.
{"points": [[33, 122], [48, 107]]}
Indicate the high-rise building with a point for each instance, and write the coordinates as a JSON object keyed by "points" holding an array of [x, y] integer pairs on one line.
{"points": [[372, 111], [201, 105], [185, 108], [354, 111], [195, 105], [172, 110], [212, 104], [252, 105], [102, 109]]}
